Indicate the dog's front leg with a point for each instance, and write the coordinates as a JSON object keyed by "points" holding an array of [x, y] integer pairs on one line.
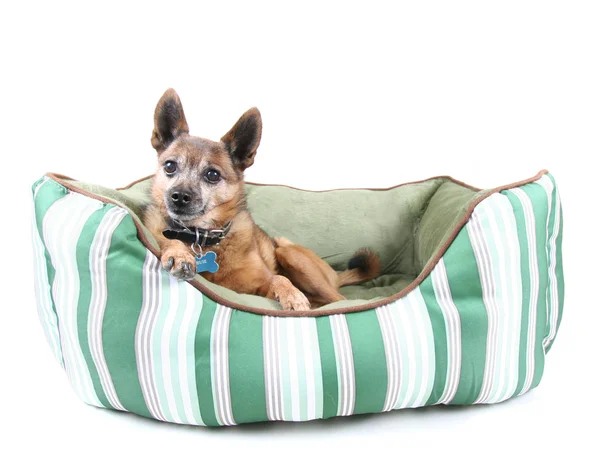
{"points": [[177, 258], [281, 289]]}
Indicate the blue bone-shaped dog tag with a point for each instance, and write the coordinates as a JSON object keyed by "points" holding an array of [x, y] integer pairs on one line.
{"points": [[207, 262]]}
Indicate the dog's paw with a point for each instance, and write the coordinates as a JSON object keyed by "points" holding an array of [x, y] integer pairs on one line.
{"points": [[180, 264], [294, 301], [288, 296]]}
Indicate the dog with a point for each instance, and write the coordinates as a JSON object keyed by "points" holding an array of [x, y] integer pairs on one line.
{"points": [[198, 206]]}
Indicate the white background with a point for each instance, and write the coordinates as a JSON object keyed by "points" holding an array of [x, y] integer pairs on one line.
{"points": [[352, 94]]}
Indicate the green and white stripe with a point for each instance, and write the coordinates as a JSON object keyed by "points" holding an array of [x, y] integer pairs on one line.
{"points": [[553, 228], [165, 346], [181, 342], [389, 332], [511, 295], [273, 377], [529, 225], [220, 366], [412, 314], [292, 366], [62, 225], [451, 316], [345, 365], [98, 255], [492, 231], [144, 343], [42, 287], [409, 350]]}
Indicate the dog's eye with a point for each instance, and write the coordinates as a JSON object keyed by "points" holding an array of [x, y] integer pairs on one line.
{"points": [[212, 176], [170, 167]]}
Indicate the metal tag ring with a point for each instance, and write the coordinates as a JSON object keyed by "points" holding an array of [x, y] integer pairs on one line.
{"points": [[193, 247]]}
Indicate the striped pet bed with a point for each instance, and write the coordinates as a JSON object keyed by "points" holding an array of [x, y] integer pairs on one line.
{"points": [[468, 305]]}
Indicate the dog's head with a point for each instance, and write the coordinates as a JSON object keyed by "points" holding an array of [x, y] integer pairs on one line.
{"points": [[200, 182]]}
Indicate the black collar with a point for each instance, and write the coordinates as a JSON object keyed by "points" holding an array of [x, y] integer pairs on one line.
{"points": [[202, 237]]}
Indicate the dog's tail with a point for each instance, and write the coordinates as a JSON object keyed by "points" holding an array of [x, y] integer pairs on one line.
{"points": [[364, 265]]}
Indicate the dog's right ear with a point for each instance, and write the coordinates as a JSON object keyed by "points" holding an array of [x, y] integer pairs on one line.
{"points": [[169, 121]]}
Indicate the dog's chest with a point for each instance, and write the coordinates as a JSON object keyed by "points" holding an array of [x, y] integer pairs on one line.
{"points": [[241, 254]]}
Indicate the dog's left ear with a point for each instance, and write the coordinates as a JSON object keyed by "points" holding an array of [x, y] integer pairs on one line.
{"points": [[243, 138]]}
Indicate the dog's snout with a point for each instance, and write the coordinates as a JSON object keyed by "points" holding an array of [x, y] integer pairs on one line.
{"points": [[181, 197]]}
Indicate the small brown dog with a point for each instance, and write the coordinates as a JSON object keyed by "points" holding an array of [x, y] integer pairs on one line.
{"points": [[198, 206]]}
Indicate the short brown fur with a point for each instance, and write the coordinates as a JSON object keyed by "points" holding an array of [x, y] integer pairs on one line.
{"points": [[249, 260]]}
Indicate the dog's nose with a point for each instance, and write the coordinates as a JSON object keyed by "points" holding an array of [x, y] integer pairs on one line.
{"points": [[181, 197]]}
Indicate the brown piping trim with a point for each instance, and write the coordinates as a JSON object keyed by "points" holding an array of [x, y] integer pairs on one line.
{"points": [[383, 189], [321, 191], [57, 177], [136, 182], [317, 312]]}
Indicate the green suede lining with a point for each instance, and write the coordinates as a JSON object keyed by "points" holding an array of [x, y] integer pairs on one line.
{"points": [[405, 225]]}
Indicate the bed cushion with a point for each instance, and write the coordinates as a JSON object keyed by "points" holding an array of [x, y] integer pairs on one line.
{"points": [[468, 305]]}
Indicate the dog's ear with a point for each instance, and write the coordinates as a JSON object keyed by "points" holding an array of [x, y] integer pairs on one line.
{"points": [[169, 121], [243, 138]]}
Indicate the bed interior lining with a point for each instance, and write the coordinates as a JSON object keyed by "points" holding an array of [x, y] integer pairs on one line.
{"points": [[406, 225]]}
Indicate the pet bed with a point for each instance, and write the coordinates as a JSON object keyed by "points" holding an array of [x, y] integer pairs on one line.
{"points": [[467, 306]]}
